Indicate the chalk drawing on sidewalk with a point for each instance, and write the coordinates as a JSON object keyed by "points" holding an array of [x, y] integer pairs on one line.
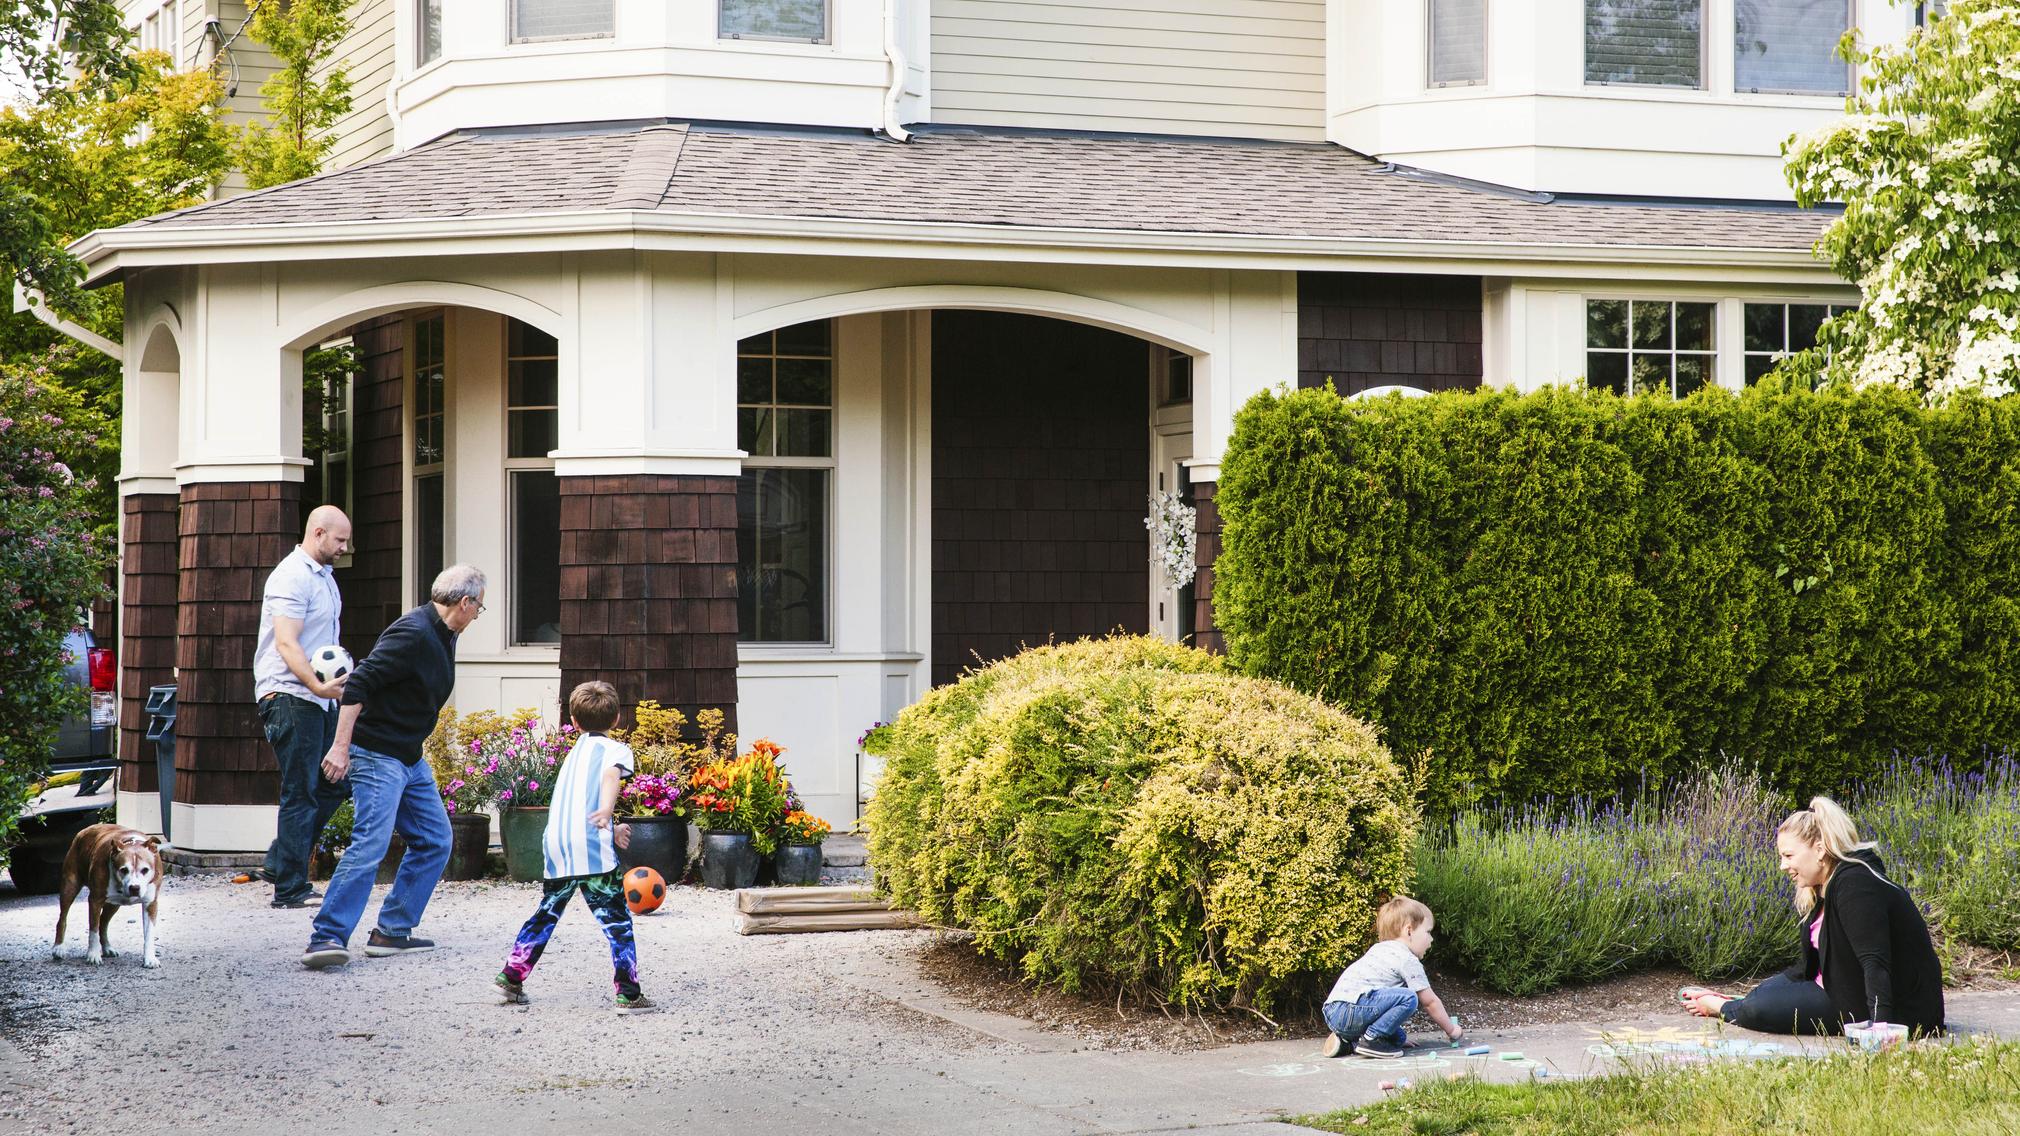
{"points": [[1415, 1061], [1677, 1044], [1281, 1069]]}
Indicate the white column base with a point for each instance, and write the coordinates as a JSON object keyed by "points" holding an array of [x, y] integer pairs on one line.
{"points": [[225, 828], [139, 811]]}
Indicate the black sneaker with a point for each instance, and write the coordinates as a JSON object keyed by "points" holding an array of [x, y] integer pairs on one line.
{"points": [[1381, 1050], [509, 992], [1334, 1047], [324, 954], [382, 945], [313, 898]]}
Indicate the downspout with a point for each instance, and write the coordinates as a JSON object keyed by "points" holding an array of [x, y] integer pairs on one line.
{"points": [[34, 304], [892, 128]]}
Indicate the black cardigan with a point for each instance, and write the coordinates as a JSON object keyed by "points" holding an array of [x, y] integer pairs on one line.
{"points": [[403, 684], [1876, 958]]}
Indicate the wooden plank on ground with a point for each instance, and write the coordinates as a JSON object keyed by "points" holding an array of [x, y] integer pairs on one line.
{"points": [[807, 900], [748, 924]]}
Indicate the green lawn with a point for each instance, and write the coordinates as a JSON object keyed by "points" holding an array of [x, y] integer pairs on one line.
{"points": [[1968, 1088]]}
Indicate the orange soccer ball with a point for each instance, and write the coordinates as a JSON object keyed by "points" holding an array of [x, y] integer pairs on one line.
{"points": [[644, 890]]}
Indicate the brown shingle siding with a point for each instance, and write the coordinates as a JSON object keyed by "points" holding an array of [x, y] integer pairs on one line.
{"points": [[1364, 330]]}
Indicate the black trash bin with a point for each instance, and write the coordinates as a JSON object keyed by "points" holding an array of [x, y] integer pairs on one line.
{"points": [[161, 731]]}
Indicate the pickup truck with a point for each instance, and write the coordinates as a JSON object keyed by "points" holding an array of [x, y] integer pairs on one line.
{"points": [[82, 773]]}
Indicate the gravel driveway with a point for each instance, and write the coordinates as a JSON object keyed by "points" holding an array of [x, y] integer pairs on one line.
{"points": [[232, 1034]]}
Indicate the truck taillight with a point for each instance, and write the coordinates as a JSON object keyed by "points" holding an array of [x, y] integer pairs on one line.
{"points": [[104, 671]]}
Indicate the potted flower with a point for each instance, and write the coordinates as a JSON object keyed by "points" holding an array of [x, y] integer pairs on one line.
{"points": [[799, 848], [466, 793], [655, 801], [520, 764], [737, 804]]}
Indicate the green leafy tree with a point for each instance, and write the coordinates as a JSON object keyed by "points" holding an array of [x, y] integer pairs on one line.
{"points": [[305, 97], [51, 565], [1927, 163], [43, 43]]}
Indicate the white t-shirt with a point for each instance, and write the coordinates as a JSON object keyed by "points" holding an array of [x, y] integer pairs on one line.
{"points": [[1387, 965], [571, 846]]}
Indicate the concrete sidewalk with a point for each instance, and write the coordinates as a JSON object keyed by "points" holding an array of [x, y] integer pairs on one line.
{"points": [[798, 1033]]}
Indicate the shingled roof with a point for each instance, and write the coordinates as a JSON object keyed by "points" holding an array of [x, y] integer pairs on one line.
{"points": [[978, 176]]}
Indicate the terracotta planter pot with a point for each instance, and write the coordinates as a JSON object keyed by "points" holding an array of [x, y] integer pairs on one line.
{"points": [[728, 860], [521, 830], [659, 843], [469, 846]]}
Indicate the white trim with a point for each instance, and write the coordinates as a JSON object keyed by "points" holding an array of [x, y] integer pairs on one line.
{"points": [[132, 483], [1203, 470], [1124, 318], [622, 463], [251, 467], [109, 250], [138, 810], [308, 328], [224, 828]]}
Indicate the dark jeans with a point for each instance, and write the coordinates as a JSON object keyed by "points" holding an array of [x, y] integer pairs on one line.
{"points": [[1783, 1006], [300, 732]]}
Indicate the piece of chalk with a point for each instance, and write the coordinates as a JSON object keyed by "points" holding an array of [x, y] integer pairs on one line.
{"points": [[1385, 1086], [1479, 1051], [1403, 1084], [1512, 1055]]}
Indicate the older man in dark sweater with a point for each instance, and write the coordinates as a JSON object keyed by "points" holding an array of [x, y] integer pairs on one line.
{"points": [[389, 708]]}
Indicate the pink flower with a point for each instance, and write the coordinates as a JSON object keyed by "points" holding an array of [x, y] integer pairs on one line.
{"points": [[533, 786], [504, 794]]}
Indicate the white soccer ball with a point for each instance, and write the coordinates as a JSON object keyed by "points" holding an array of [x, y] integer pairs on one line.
{"points": [[330, 662]]}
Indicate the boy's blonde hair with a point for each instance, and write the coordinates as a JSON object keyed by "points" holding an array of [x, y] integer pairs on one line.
{"points": [[1399, 917], [593, 705], [1825, 823]]}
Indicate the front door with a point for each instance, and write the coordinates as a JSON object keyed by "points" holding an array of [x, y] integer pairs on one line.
{"points": [[1171, 604]]}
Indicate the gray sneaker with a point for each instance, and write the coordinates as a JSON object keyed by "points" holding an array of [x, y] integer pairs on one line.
{"points": [[382, 945], [324, 954]]}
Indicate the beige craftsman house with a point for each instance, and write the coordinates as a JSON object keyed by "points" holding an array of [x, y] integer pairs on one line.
{"points": [[789, 355]]}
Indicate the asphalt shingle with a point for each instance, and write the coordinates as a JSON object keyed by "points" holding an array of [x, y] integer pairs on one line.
{"points": [[978, 176]]}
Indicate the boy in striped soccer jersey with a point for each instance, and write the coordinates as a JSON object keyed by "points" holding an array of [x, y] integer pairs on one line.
{"points": [[581, 846]]}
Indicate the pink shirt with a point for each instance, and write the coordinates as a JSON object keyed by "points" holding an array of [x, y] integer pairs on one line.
{"points": [[1817, 934]]}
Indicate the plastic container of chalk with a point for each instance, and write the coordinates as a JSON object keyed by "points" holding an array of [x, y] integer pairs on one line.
{"points": [[1873, 1037]]}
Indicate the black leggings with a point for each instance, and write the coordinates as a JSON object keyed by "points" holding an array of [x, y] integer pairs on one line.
{"points": [[1780, 1005]]}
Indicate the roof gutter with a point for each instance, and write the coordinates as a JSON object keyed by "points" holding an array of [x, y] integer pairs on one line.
{"points": [[31, 301], [110, 251]]}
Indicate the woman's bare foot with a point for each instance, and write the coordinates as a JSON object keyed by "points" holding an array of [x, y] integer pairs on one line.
{"points": [[1700, 1001]]}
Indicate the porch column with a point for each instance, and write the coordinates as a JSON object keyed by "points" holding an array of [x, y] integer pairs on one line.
{"points": [[147, 620], [230, 537], [649, 587], [1205, 632], [647, 466]]}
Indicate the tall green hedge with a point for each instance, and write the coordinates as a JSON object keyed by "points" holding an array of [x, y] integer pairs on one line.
{"points": [[1569, 592], [1124, 812]]}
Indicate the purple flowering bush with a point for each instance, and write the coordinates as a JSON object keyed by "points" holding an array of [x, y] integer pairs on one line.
{"points": [[1952, 836], [52, 565], [483, 759], [1530, 899]]}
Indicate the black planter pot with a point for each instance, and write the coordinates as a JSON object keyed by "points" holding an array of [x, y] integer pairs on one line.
{"points": [[728, 860], [469, 846], [798, 865], [659, 843]]}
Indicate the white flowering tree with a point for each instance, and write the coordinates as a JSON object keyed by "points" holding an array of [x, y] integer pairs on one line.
{"points": [[1927, 162]]}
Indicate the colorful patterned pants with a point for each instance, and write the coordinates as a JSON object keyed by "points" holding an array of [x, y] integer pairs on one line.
{"points": [[605, 896]]}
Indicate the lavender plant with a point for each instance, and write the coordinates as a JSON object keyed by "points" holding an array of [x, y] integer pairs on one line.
{"points": [[1952, 836]]}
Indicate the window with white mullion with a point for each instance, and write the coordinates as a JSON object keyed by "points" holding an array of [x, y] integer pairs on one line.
{"points": [[1790, 46], [1646, 43], [533, 498], [1456, 32], [785, 424], [1638, 346], [535, 20], [790, 21], [429, 458], [1774, 331]]}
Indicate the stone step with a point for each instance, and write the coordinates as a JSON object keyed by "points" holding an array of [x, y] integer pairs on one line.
{"points": [[845, 850], [185, 862]]}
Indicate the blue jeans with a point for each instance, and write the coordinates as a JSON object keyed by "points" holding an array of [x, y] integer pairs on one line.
{"points": [[1379, 1016], [300, 732], [388, 796], [1781, 1005]]}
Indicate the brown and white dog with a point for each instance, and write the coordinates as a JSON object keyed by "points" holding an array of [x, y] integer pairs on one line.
{"points": [[122, 867]]}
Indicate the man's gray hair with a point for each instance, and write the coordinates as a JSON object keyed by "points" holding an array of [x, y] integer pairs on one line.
{"points": [[458, 582]]}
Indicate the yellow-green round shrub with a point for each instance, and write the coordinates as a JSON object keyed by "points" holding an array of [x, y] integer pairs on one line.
{"points": [[1126, 812]]}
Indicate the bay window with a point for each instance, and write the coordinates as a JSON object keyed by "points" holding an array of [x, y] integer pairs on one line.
{"points": [[1790, 46], [796, 21], [534, 20], [1457, 34], [1649, 43]]}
